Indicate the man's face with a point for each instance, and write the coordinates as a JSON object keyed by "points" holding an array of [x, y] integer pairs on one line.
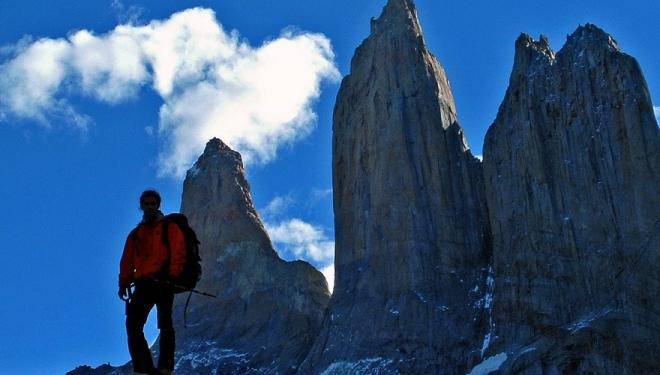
{"points": [[149, 206]]}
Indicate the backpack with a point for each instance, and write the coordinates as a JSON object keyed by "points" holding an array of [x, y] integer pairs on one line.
{"points": [[192, 268]]}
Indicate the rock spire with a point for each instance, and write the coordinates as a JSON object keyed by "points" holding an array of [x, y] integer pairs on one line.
{"points": [[268, 311], [410, 218], [572, 169]]}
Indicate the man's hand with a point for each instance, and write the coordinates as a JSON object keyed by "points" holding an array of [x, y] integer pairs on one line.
{"points": [[123, 293]]}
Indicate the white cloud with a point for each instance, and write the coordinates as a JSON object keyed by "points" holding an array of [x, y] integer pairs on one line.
{"points": [[212, 83], [257, 105], [303, 240], [656, 110], [277, 206], [125, 14], [298, 238], [30, 80], [329, 273], [308, 242], [319, 194], [111, 67]]}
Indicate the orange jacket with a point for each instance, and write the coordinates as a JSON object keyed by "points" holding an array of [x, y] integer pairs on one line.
{"points": [[145, 255]]}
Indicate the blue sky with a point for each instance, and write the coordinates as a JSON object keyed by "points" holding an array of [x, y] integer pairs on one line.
{"points": [[75, 157]]}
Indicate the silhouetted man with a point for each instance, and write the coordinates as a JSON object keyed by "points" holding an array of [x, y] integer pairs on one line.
{"points": [[147, 263]]}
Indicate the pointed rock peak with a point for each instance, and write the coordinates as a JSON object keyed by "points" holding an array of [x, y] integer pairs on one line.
{"points": [[531, 52], [216, 155], [216, 145], [526, 43], [401, 5], [590, 37], [397, 15]]}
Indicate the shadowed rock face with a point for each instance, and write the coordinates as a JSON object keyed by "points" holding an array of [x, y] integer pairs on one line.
{"points": [[572, 169], [410, 217], [268, 311]]}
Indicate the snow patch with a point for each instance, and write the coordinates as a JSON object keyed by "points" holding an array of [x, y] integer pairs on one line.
{"points": [[586, 321], [488, 304], [420, 296], [489, 365], [375, 365], [486, 343], [527, 350], [206, 354], [490, 282]]}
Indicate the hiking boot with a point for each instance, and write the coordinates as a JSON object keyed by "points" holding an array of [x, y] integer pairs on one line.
{"points": [[163, 371]]}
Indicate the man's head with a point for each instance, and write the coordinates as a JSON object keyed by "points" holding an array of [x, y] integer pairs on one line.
{"points": [[150, 202]]}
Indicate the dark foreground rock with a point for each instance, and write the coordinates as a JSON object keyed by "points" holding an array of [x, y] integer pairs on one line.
{"points": [[104, 369]]}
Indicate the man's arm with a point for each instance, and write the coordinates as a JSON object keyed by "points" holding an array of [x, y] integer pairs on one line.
{"points": [[178, 251], [126, 265]]}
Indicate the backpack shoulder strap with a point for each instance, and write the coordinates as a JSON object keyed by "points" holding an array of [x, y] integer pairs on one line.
{"points": [[166, 236]]}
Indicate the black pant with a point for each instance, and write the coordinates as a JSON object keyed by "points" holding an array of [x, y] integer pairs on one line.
{"points": [[147, 294]]}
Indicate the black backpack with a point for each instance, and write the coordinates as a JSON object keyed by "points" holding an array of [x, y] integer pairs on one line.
{"points": [[192, 268]]}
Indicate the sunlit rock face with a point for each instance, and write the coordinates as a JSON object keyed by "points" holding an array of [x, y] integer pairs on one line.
{"points": [[572, 169], [268, 311], [410, 217]]}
